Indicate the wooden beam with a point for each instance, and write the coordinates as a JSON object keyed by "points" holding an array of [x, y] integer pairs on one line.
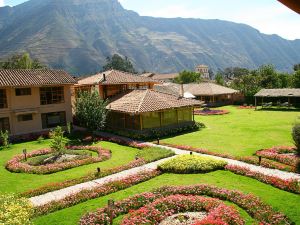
{"points": [[292, 4], [141, 121]]}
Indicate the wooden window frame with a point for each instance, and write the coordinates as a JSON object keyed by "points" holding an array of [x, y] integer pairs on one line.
{"points": [[45, 119], [52, 95], [25, 117], [23, 91], [3, 99]]}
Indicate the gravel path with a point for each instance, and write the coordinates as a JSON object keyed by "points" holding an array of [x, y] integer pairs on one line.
{"points": [[61, 194]]}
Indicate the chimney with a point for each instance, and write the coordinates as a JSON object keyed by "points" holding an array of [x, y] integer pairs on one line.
{"points": [[181, 94], [104, 77]]}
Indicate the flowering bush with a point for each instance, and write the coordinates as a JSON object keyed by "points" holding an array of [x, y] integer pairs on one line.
{"points": [[18, 165], [282, 154], [13, 210], [162, 208], [248, 159], [291, 185], [210, 112], [191, 164], [96, 192], [246, 107], [250, 203]]}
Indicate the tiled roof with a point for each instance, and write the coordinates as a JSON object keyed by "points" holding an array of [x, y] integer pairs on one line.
{"points": [[208, 89], [286, 92], [114, 77], [141, 101], [168, 88], [161, 77], [14, 78]]}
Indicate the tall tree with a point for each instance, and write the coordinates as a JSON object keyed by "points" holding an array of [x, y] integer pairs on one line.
{"points": [[21, 62], [118, 63], [297, 67], [186, 77], [220, 79], [296, 79]]}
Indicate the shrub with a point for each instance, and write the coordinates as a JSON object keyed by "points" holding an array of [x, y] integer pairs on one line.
{"points": [[191, 164], [57, 143], [40, 139], [13, 210], [296, 136], [4, 136]]}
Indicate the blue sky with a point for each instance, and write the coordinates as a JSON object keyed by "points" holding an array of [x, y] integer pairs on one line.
{"points": [[268, 16]]}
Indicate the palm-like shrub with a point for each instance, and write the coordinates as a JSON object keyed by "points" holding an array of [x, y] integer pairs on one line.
{"points": [[191, 164], [58, 142], [296, 136]]}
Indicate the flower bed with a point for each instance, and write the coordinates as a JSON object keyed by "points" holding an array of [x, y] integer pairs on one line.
{"points": [[96, 192], [291, 185], [210, 112], [18, 165], [250, 203], [191, 164], [248, 159], [15, 211], [162, 208], [246, 107], [282, 154]]}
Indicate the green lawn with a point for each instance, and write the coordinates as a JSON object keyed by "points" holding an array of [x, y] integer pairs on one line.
{"points": [[242, 132], [280, 200], [20, 182]]}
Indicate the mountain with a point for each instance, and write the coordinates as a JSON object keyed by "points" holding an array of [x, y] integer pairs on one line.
{"points": [[78, 35]]}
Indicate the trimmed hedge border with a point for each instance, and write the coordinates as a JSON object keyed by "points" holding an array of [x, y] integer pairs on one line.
{"points": [[276, 154], [211, 112], [96, 192], [17, 165], [164, 207], [248, 159], [260, 211], [291, 185]]}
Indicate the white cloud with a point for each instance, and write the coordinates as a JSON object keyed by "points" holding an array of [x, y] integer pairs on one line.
{"points": [[1, 3]]}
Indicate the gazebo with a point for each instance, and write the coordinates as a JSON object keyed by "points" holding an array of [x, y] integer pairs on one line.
{"points": [[283, 97]]}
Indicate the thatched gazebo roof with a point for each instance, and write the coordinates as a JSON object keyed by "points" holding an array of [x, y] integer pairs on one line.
{"points": [[286, 92]]}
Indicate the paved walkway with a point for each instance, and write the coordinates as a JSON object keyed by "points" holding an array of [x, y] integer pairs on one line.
{"points": [[61, 194]]}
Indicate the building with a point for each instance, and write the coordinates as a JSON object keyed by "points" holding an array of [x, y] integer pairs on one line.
{"points": [[278, 97], [135, 106], [144, 110], [204, 70], [34, 101], [114, 82], [164, 77]]}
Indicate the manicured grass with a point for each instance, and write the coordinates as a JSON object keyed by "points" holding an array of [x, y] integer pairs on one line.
{"points": [[20, 182], [242, 132], [282, 201]]}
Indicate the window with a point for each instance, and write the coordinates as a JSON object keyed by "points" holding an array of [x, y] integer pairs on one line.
{"points": [[25, 117], [4, 124], [23, 91], [50, 120], [3, 100], [151, 120], [51, 95]]}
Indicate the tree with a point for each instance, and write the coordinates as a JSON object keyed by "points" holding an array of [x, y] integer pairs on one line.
{"points": [[57, 143], [90, 110], [119, 63], [269, 77], [186, 77], [297, 67], [220, 79], [21, 62], [296, 79]]}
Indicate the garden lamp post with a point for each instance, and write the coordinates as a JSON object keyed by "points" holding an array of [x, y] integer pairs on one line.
{"points": [[25, 154]]}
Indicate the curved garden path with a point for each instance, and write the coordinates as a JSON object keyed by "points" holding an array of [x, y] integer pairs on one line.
{"points": [[61, 194]]}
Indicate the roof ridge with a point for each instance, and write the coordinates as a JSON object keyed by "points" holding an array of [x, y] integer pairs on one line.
{"points": [[142, 100]]}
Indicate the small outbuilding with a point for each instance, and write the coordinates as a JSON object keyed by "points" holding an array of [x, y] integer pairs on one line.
{"points": [[287, 97]]}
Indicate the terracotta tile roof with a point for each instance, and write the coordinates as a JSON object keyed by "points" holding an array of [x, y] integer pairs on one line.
{"points": [[208, 89], [115, 77], [168, 88], [286, 92], [141, 101], [13, 78]]}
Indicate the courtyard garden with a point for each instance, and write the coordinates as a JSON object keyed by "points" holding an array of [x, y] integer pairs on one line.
{"points": [[186, 189]]}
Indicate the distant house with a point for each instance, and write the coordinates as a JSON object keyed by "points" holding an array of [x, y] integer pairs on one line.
{"points": [[204, 70], [210, 93], [278, 97], [135, 106], [33, 101], [164, 77]]}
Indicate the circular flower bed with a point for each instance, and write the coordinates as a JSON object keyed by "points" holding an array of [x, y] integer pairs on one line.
{"points": [[208, 112], [191, 164], [246, 107], [164, 207], [18, 164], [282, 154], [260, 211]]}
